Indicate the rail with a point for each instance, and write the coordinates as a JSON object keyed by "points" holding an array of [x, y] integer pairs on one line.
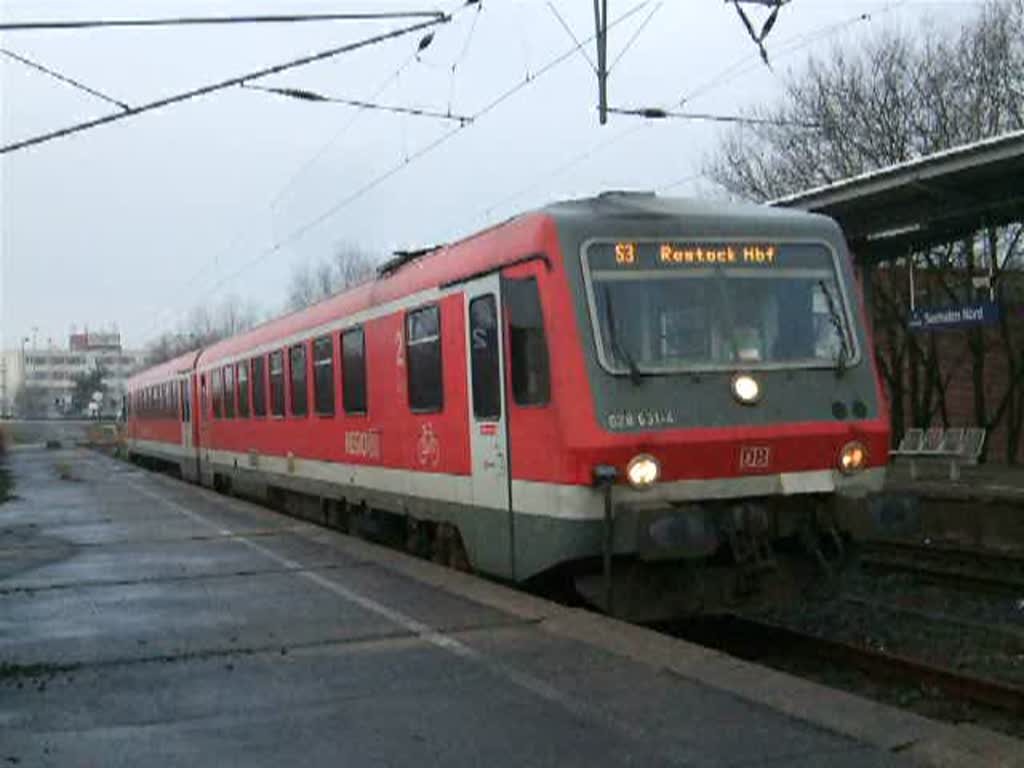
{"points": [[985, 569], [994, 694]]}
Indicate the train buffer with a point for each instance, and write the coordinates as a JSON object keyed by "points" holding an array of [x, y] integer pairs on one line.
{"points": [[956, 445]]}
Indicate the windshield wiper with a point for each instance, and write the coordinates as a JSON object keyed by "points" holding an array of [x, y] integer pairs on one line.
{"points": [[843, 354], [617, 346], [727, 310]]}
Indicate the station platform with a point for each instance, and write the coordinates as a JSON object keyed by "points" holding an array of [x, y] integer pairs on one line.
{"points": [[145, 621], [982, 510], [984, 483]]}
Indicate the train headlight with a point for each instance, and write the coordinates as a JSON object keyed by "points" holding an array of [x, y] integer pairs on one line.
{"points": [[853, 458], [746, 389], [643, 471]]}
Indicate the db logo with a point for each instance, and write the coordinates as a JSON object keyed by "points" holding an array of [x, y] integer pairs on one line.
{"points": [[755, 456], [428, 447]]}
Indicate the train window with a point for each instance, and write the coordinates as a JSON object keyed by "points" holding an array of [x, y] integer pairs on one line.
{"points": [[323, 376], [484, 361], [218, 393], [229, 392], [186, 414], [353, 374], [259, 388], [297, 365], [277, 383], [423, 352], [243, 390], [528, 347]]}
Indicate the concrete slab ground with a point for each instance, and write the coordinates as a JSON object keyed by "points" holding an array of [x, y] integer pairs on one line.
{"points": [[144, 621]]}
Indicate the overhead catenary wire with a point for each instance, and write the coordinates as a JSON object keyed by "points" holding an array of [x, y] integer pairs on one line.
{"points": [[186, 21], [341, 131], [633, 38], [723, 77], [572, 35], [316, 221], [219, 86], [233, 243], [658, 113], [679, 182], [347, 126], [63, 78], [463, 52], [414, 57], [487, 108], [312, 96]]}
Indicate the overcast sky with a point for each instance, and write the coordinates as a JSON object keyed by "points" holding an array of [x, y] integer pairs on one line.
{"points": [[133, 223]]}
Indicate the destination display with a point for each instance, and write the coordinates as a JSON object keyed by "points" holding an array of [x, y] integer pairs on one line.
{"points": [[681, 254]]}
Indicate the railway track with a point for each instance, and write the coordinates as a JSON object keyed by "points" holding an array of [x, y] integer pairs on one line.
{"points": [[959, 567], [756, 639]]}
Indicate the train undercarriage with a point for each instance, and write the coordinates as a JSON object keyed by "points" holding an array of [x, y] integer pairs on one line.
{"points": [[681, 560], [719, 557]]}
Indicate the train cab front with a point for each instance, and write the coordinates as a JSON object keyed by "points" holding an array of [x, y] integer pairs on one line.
{"points": [[738, 412]]}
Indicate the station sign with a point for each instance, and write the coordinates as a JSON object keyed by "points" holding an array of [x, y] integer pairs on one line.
{"points": [[958, 316]]}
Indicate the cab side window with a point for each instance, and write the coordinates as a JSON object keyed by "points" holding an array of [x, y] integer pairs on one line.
{"points": [[528, 347]]}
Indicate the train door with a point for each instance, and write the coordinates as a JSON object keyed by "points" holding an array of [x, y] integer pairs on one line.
{"points": [[189, 432], [201, 419], [491, 485]]}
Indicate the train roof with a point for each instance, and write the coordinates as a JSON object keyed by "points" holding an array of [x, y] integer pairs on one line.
{"points": [[165, 370], [488, 249], [692, 211], [478, 253]]}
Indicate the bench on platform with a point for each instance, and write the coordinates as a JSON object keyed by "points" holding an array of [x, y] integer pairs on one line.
{"points": [[956, 445]]}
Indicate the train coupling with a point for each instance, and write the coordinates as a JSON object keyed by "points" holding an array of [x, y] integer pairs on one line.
{"points": [[698, 531]]}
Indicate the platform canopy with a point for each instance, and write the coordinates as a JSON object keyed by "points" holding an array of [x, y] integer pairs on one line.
{"points": [[932, 200]]}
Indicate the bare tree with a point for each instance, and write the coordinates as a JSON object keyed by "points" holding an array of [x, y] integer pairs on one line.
{"points": [[348, 266], [234, 316], [205, 325], [353, 265], [895, 98]]}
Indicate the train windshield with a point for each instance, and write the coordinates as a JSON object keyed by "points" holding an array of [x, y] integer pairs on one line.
{"points": [[667, 306]]}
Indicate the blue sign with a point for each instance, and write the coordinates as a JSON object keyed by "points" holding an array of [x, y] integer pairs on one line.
{"points": [[976, 313]]}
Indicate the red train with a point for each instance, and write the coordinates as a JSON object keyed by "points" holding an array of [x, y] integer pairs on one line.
{"points": [[636, 391]]}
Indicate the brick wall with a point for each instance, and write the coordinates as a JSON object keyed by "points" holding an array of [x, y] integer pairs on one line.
{"points": [[956, 365]]}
